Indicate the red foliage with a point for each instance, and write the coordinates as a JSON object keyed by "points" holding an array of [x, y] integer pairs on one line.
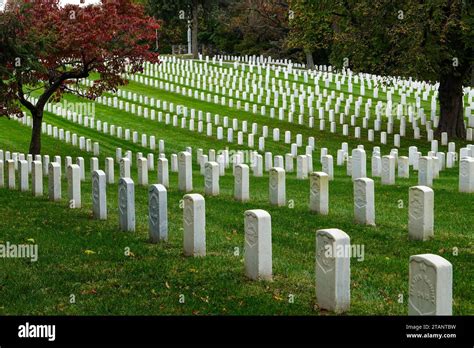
{"points": [[64, 43]]}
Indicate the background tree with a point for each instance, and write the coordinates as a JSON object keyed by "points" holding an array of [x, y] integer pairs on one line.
{"points": [[311, 28], [230, 26], [429, 40], [262, 26], [56, 46], [174, 15]]}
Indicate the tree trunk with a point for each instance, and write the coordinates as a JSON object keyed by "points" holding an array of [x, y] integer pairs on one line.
{"points": [[35, 144], [451, 118], [309, 59], [194, 34]]}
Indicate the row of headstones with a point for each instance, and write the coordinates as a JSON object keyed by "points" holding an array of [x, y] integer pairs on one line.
{"points": [[468, 109], [294, 148], [209, 130], [428, 167], [393, 81], [258, 247], [83, 143], [332, 266], [259, 63], [433, 88], [345, 129], [423, 180], [251, 60], [144, 165], [281, 110], [221, 74], [364, 206], [444, 138], [180, 109], [355, 164], [332, 272], [276, 132], [219, 81], [90, 122], [230, 137], [421, 225]]}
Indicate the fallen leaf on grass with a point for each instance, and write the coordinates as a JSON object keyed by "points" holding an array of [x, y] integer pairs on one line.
{"points": [[89, 292], [277, 297], [205, 299], [89, 252]]}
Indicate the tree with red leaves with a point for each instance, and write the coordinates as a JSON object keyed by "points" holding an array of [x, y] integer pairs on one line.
{"points": [[49, 48]]}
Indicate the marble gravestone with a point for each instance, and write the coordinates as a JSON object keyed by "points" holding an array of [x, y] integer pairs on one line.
{"points": [[185, 175], [126, 204], [319, 193], [99, 197], [241, 183], [430, 285], [258, 245], [158, 213], [333, 271], [194, 221], [364, 201], [421, 213], [277, 189]]}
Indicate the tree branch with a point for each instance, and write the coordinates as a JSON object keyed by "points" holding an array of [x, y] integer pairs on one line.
{"points": [[21, 96], [57, 83]]}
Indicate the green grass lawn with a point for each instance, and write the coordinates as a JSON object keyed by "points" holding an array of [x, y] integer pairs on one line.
{"points": [[88, 259]]}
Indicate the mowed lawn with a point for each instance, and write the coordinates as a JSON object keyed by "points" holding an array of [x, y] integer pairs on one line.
{"points": [[120, 273]]}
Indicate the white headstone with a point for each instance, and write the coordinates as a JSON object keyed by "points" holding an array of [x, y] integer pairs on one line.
{"points": [[277, 189], [74, 186], [358, 164], [328, 166], [211, 178], [388, 170], [241, 183], [11, 174], [36, 178], [158, 213], [54, 181], [109, 170], [319, 193], [425, 171], [126, 204], [421, 213], [403, 167], [430, 285], [24, 177], [125, 168], [185, 178], [333, 270], [142, 171], [301, 167], [194, 221], [163, 175], [364, 201], [466, 175], [258, 245], [99, 195]]}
